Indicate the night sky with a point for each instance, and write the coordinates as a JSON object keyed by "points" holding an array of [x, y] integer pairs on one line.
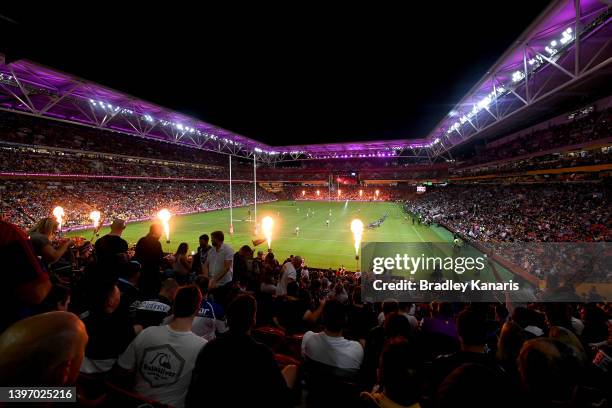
{"points": [[281, 75]]}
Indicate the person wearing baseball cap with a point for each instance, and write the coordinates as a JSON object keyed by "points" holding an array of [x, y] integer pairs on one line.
{"points": [[112, 244]]}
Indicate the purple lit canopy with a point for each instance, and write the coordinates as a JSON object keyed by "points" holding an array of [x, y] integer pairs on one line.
{"points": [[565, 47]]}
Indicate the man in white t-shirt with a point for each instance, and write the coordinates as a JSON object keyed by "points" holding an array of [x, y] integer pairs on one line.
{"points": [[218, 267], [329, 347], [288, 274], [162, 357]]}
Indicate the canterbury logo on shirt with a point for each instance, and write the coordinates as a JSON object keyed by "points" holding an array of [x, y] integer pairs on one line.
{"points": [[151, 306]]}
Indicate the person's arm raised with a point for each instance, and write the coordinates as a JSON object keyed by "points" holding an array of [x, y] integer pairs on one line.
{"points": [[51, 254]]}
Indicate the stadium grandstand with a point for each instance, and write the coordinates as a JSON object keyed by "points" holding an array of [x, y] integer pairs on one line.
{"points": [[155, 259]]}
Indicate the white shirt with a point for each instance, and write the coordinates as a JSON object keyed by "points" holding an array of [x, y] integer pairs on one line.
{"points": [[163, 360], [287, 272], [216, 263], [333, 351]]}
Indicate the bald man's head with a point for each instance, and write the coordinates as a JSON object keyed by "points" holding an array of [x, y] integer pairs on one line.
{"points": [[42, 350]]}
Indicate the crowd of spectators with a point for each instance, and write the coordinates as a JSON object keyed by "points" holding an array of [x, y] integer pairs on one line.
{"points": [[320, 170], [24, 202], [235, 328], [47, 161], [232, 327], [42, 132], [569, 160], [593, 127], [344, 192], [531, 212], [44, 146]]}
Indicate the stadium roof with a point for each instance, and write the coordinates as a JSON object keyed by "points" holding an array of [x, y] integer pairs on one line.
{"points": [[566, 46], [569, 44]]}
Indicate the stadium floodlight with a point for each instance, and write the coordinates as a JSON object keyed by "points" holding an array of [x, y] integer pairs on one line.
{"points": [[517, 76], [566, 36], [554, 46], [484, 103]]}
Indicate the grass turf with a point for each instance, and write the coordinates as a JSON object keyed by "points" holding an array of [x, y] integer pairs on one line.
{"points": [[322, 246]]}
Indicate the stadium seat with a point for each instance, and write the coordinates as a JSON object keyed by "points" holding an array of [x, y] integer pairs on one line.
{"points": [[284, 360], [270, 336], [292, 346]]}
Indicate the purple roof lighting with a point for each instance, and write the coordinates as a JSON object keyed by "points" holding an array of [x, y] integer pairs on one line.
{"points": [[37, 90], [531, 54]]}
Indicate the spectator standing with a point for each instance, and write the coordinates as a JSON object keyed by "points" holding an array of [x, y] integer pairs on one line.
{"points": [[200, 256], [289, 273], [150, 254], [182, 264], [218, 267], [111, 244]]}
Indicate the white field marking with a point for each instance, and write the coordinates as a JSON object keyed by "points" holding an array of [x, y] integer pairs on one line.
{"points": [[418, 234]]}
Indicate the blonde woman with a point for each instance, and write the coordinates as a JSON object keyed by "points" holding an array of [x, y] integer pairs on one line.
{"points": [[42, 235]]}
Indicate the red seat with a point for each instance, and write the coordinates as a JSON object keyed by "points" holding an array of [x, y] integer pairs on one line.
{"points": [[284, 360], [292, 346], [270, 336]]}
